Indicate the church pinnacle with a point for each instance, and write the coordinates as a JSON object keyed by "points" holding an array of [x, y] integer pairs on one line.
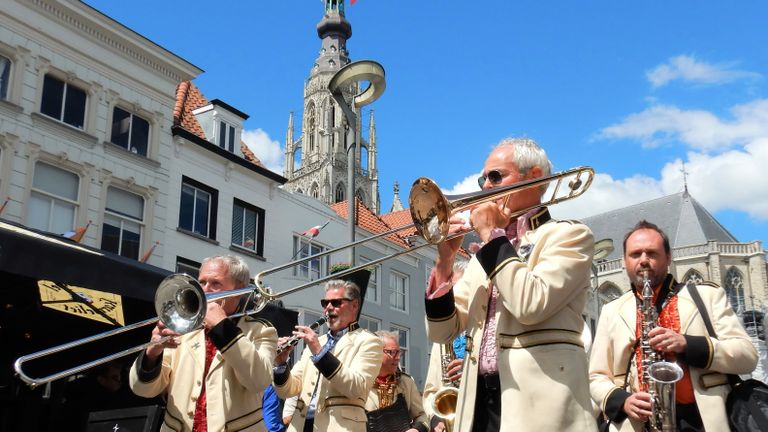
{"points": [[316, 160]]}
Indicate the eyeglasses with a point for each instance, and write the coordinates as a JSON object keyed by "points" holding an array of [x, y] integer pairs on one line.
{"points": [[333, 302], [493, 176], [392, 353]]}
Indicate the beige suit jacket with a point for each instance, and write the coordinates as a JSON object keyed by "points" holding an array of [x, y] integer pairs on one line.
{"points": [[541, 359], [731, 353], [341, 396], [407, 387], [434, 380], [238, 375]]}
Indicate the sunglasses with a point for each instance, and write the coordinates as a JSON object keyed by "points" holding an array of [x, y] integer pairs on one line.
{"points": [[493, 176], [392, 353], [333, 302]]}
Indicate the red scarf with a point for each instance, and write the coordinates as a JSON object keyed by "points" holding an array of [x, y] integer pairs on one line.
{"points": [[668, 318], [200, 423]]}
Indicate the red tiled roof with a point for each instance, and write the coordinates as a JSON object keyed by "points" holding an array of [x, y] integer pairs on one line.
{"points": [[249, 156], [190, 98], [377, 224], [368, 220]]}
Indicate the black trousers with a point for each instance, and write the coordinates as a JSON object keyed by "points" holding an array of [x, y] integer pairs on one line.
{"points": [[688, 418], [309, 425], [487, 416]]}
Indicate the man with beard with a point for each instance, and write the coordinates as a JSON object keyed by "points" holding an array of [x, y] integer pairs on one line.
{"points": [[336, 371], [680, 336]]}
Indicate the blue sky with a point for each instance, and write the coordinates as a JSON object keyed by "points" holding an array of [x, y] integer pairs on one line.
{"points": [[633, 89]]}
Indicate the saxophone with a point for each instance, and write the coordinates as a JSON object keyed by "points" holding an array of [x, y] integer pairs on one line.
{"points": [[444, 402], [659, 375]]}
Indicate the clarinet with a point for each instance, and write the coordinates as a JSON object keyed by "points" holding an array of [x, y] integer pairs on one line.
{"points": [[293, 340]]}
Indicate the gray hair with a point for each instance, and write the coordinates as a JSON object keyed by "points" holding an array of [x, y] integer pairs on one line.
{"points": [[351, 290], [384, 334], [527, 154], [237, 268]]}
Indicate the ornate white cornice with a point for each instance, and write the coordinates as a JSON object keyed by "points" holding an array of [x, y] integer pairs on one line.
{"points": [[95, 25]]}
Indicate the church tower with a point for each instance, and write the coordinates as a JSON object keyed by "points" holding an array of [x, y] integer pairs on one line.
{"points": [[316, 162]]}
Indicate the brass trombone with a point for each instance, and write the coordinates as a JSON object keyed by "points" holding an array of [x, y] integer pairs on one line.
{"points": [[180, 301]]}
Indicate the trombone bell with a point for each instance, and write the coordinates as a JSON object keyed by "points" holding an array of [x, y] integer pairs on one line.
{"points": [[430, 209], [180, 303]]}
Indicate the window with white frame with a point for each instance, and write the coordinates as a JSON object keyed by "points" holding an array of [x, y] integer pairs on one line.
{"points": [[248, 227], [5, 76], [227, 136], [398, 294], [123, 220], [310, 269], [130, 131], [372, 291], [54, 199], [63, 102], [197, 212], [371, 324], [403, 339]]}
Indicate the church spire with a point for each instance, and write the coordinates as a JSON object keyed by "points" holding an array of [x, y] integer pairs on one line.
{"points": [[289, 150], [397, 205], [334, 30]]}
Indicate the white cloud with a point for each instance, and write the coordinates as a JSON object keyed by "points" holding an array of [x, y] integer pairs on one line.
{"points": [[269, 151], [697, 129], [687, 68], [607, 193], [468, 184], [734, 180]]}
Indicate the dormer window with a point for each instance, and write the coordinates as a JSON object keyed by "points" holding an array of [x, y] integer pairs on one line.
{"points": [[226, 136]]}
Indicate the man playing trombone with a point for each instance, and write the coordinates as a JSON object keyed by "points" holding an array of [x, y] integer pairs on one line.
{"points": [[520, 301], [336, 370], [214, 377]]}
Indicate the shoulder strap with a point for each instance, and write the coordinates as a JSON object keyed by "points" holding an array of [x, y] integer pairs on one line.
{"points": [[733, 379], [702, 310]]}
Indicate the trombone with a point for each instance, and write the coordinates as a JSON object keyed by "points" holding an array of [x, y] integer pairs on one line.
{"points": [[180, 301]]}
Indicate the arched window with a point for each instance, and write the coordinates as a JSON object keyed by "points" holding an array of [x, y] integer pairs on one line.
{"points": [[693, 276], [299, 191], [311, 128], [734, 288], [607, 293], [315, 191], [361, 196], [364, 159], [339, 195], [297, 158]]}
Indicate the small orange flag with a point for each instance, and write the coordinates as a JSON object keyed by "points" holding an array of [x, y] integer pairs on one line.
{"points": [[78, 233], [5, 203], [148, 253]]}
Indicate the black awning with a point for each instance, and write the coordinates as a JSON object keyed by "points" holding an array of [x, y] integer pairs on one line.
{"points": [[40, 255]]}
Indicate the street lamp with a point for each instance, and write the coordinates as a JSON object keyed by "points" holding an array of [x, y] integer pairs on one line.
{"points": [[373, 73]]}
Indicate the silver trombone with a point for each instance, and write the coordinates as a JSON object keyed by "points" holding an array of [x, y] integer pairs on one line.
{"points": [[180, 301]]}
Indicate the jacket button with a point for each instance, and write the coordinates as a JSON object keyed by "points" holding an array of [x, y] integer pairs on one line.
{"points": [[473, 359]]}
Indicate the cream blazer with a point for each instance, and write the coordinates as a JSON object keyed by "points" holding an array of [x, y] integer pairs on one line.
{"points": [[234, 385], [341, 398], [731, 353], [407, 387], [541, 359]]}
